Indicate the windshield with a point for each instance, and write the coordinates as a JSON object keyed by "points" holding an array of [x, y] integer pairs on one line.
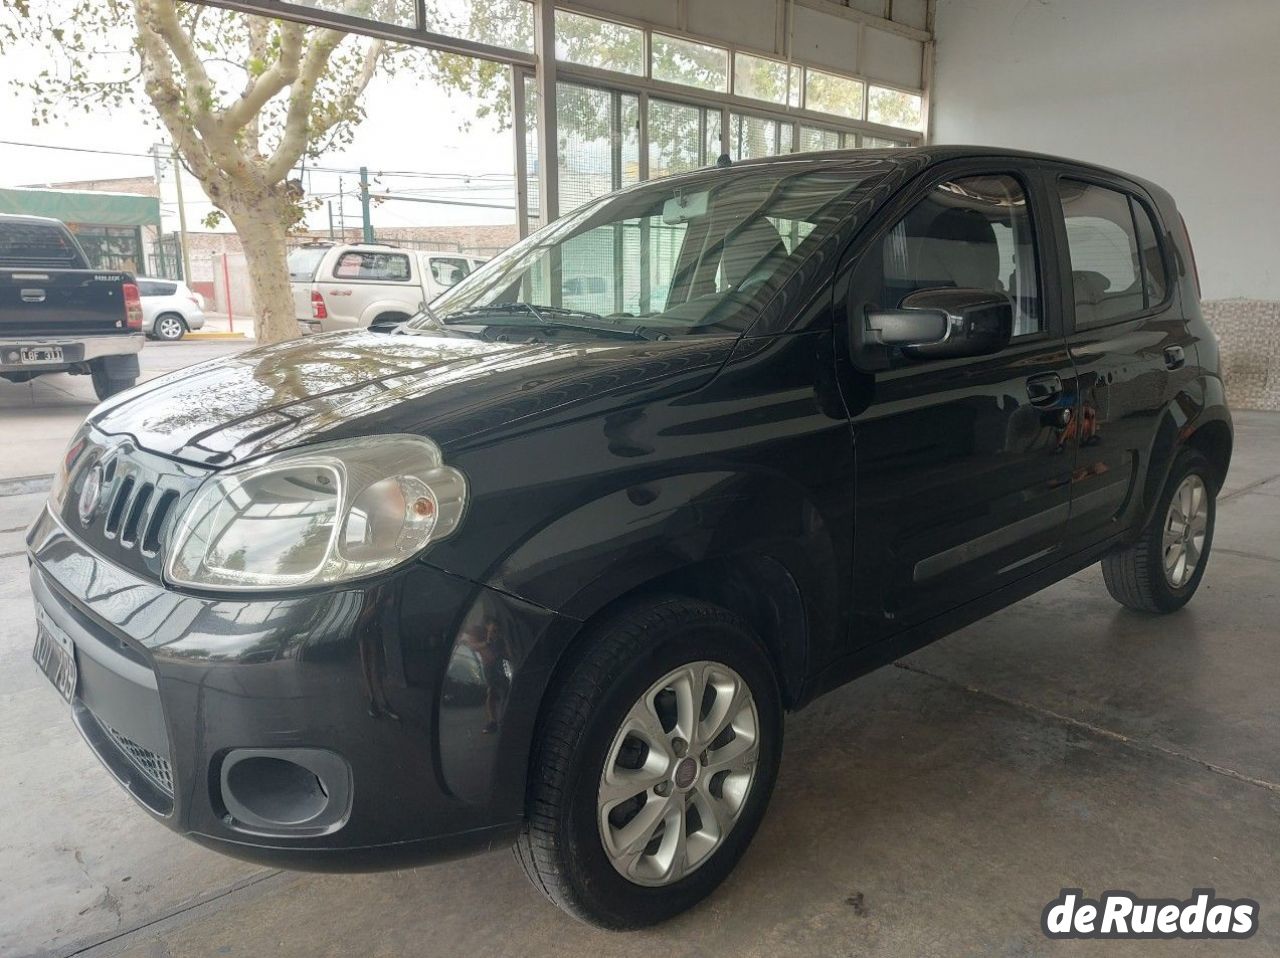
{"points": [[699, 254], [304, 261]]}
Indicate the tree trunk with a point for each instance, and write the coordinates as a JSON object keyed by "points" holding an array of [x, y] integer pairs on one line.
{"points": [[263, 236]]}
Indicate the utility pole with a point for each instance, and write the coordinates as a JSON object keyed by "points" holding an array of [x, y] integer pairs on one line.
{"points": [[342, 210], [182, 219], [329, 203], [364, 204]]}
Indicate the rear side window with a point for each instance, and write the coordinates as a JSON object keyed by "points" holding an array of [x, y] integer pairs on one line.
{"points": [[22, 243], [1117, 268], [151, 288], [376, 267]]}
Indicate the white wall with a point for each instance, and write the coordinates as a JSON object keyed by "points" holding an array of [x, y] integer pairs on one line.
{"points": [[1182, 92]]}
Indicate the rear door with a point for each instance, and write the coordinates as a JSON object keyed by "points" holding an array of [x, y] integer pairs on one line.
{"points": [[963, 465], [443, 272], [1129, 340]]}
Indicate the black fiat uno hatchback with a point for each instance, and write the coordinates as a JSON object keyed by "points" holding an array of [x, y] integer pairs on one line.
{"points": [[547, 563]]}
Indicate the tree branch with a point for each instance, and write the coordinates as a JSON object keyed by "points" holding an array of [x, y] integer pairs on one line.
{"points": [[271, 82], [294, 136]]}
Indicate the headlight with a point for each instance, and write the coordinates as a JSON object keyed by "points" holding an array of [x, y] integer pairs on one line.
{"points": [[317, 515], [62, 477]]}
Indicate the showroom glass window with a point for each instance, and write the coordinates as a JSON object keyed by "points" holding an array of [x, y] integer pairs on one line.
{"points": [[1117, 268], [972, 232]]}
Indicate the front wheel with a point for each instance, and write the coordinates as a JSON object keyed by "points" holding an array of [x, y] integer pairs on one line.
{"points": [[654, 764], [1161, 571]]}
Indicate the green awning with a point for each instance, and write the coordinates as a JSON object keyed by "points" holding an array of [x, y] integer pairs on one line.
{"points": [[83, 207]]}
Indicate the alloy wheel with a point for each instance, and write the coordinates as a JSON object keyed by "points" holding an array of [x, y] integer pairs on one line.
{"points": [[1185, 525], [169, 327], [678, 773]]}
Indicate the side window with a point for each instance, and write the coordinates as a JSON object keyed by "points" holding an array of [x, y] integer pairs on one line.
{"points": [[378, 267], [972, 232], [1117, 268], [448, 270]]}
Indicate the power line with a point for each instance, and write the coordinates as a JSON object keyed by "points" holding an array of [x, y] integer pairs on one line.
{"points": [[73, 149], [423, 174]]}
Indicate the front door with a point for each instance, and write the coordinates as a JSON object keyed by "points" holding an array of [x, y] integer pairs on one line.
{"points": [[963, 465]]}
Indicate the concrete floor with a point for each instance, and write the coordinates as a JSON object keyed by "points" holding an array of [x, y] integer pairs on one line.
{"points": [[931, 808]]}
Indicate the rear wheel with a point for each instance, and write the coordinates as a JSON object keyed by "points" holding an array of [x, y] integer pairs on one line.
{"points": [[1161, 571], [654, 764], [169, 327], [107, 381]]}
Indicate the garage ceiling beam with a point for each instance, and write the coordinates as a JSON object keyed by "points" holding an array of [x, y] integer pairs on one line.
{"points": [[867, 19]]}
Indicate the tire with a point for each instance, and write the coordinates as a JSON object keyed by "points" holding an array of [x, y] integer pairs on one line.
{"points": [[104, 384], [562, 848], [1136, 575], [169, 327]]}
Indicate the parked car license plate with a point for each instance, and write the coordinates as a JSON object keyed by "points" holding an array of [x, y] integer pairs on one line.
{"points": [[35, 355], [55, 653]]}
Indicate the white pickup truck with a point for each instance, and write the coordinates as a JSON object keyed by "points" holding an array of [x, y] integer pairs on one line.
{"points": [[353, 286]]}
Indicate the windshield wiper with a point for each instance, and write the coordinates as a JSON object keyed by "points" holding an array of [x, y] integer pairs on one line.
{"points": [[539, 313]]}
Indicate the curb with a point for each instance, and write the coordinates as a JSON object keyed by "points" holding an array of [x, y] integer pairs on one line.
{"points": [[25, 485], [214, 335]]}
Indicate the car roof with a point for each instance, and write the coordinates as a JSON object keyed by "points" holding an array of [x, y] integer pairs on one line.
{"points": [[919, 157]]}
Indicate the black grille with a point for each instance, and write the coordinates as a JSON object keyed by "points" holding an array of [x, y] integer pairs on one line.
{"points": [[154, 768], [141, 496]]}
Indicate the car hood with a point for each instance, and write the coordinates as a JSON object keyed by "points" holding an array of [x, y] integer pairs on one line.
{"points": [[447, 386]]}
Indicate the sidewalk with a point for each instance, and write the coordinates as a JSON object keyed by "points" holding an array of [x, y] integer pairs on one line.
{"points": [[219, 326]]}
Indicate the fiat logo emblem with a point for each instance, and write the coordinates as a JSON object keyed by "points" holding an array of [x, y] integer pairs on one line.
{"points": [[90, 493]]}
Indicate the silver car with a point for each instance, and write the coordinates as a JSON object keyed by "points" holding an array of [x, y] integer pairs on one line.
{"points": [[169, 308]]}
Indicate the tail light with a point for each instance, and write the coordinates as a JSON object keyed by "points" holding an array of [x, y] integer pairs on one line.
{"points": [[132, 307], [318, 308], [1191, 251]]}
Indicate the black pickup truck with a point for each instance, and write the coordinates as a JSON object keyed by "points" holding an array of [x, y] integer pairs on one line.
{"points": [[58, 315]]}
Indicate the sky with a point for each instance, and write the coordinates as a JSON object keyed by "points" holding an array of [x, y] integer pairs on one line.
{"points": [[469, 165]]}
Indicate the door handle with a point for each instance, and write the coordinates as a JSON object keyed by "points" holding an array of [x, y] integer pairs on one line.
{"points": [[1044, 390], [1174, 357]]}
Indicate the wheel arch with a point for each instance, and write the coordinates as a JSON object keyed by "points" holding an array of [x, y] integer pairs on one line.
{"points": [[687, 535], [1210, 433], [371, 313]]}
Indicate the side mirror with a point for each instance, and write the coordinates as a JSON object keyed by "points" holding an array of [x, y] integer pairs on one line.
{"points": [[945, 323]]}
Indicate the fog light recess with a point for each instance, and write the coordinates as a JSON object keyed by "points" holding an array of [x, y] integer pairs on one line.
{"points": [[292, 791]]}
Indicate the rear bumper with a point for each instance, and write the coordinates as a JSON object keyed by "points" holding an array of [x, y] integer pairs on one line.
{"points": [[75, 349], [174, 688]]}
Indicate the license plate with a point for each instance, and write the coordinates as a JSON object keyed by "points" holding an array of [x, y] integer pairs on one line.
{"points": [[55, 653], [35, 355]]}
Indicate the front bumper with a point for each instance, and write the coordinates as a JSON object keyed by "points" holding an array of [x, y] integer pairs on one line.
{"points": [[172, 685], [75, 349]]}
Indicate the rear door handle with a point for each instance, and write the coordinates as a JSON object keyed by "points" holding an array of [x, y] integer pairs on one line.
{"points": [[1044, 390], [1174, 357]]}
